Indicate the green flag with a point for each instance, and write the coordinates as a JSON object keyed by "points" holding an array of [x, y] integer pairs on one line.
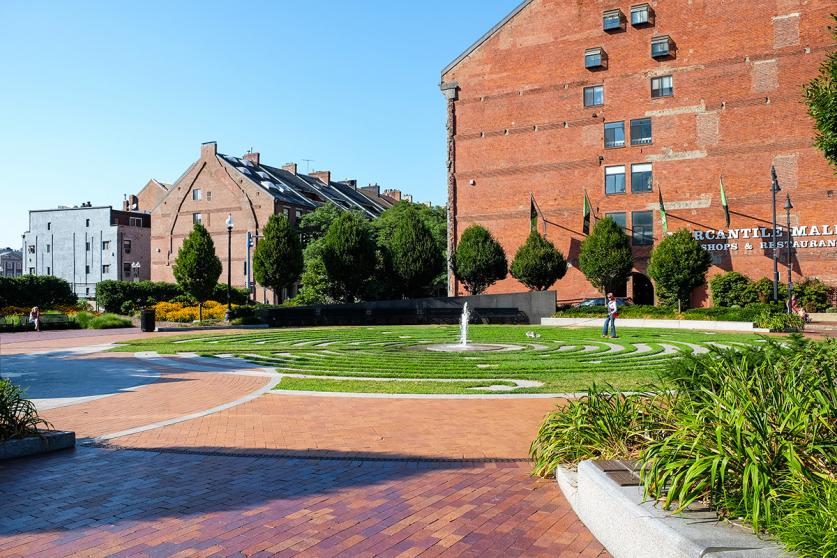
{"points": [[724, 201], [533, 214], [585, 228], [663, 217]]}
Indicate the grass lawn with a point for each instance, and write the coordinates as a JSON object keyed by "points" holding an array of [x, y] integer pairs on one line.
{"points": [[560, 360]]}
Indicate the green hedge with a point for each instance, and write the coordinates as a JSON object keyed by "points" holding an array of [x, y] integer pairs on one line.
{"points": [[43, 291], [735, 289], [125, 297], [747, 314]]}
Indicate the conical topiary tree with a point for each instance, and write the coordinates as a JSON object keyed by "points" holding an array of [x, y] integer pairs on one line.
{"points": [[277, 260], [197, 267], [479, 260], [348, 252], [537, 264], [678, 265], [605, 257], [415, 256]]}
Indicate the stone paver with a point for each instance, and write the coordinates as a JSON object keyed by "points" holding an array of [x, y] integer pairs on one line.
{"points": [[99, 502], [433, 428]]}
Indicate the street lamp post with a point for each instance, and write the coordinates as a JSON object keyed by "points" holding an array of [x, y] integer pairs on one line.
{"points": [[135, 270], [775, 188], [228, 314], [788, 207]]}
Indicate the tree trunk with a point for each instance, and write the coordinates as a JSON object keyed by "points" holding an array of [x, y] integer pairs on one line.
{"points": [[200, 311]]}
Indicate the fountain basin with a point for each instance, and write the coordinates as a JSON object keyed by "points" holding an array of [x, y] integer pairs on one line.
{"points": [[468, 348]]}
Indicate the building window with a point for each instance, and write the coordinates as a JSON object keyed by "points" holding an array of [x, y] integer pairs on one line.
{"points": [[661, 46], [662, 86], [126, 246], [49, 225], [641, 15], [87, 269], [31, 271], [615, 180], [613, 20], [594, 96], [618, 218], [87, 222], [86, 291], [106, 268], [106, 245], [49, 270], [298, 214], [196, 218], [594, 58], [196, 194], [614, 134], [209, 196], [87, 246], [641, 177], [642, 225], [641, 131], [126, 270], [135, 221], [30, 248], [47, 248]]}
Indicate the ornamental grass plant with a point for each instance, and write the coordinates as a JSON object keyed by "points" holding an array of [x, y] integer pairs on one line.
{"points": [[18, 415], [751, 431]]}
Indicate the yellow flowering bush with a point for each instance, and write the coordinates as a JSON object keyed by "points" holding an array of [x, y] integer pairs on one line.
{"points": [[180, 312]]}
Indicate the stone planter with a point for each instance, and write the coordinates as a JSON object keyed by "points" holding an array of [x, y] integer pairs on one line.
{"points": [[51, 440]]}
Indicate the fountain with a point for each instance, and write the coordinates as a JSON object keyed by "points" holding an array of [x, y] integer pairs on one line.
{"points": [[463, 325], [463, 345]]}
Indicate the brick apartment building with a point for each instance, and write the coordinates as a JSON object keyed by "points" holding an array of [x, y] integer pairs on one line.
{"points": [[630, 101], [218, 185]]}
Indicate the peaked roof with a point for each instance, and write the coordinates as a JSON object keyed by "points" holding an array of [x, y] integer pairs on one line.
{"points": [[474, 46], [302, 189]]}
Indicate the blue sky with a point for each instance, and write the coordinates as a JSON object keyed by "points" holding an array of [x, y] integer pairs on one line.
{"points": [[98, 97]]}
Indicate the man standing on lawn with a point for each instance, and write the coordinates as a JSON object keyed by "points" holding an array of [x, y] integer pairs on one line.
{"points": [[612, 312]]}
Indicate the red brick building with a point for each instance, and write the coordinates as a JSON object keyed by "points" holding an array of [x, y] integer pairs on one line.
{"points": [[628, 101], [218, 185]]}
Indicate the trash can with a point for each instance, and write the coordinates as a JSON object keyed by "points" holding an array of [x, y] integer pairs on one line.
{"points": [[147, 320]]}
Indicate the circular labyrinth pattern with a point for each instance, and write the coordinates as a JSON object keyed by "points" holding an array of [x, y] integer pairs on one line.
{"points": [[551, 359]]}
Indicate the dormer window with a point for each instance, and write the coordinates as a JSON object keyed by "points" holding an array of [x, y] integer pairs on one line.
{"points": [[661, 47], [595, 58], [641, 15], [613, 20]]}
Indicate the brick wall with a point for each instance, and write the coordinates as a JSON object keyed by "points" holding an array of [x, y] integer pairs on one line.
{"points": [[738, 69]]}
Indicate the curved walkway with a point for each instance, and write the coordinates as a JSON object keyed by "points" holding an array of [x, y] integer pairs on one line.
{"points": [[380, 477]]}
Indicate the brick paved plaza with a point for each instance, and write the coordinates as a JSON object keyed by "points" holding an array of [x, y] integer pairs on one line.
{"points": [[277, 474]]}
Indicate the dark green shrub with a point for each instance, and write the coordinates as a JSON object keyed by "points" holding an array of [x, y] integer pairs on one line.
{"points": [[731, 289], [414, 254], [605, 257], [18, 416], [348, 255], [537, 264], [44, 291], [813, 295], [277, 260], [781, 322], [821, 98], [762, 290], [479, 260], [678, 265]]}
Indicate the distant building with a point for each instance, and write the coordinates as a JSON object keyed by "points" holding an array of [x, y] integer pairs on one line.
{"points": [[86, 244], [11, 262], [218, 185]]}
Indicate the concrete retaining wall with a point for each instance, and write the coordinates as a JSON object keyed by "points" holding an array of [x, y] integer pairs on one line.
{"points": [[699, 325], [49, 441]]}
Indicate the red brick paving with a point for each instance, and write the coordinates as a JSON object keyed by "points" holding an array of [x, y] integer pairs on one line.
{"points": [[100, 502]]}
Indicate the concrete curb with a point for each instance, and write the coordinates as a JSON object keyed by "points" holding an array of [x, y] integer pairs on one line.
{"points": [[631, 528], [188, 329], [33, 445], [695, 325]]}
